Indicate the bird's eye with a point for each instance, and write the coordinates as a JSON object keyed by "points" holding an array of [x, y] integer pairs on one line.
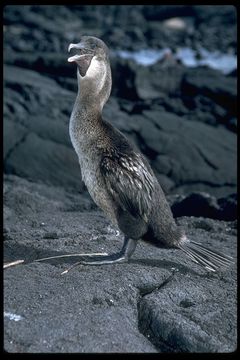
{"points": [[93, 45]]}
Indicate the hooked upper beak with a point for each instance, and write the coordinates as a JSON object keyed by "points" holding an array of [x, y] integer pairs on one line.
{"points": [[83, 57], [82, 51], [75, 46], [77, 56]]}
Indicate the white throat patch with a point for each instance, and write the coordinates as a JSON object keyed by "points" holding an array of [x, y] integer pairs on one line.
{"points": [[94, 68], [97, 70]]}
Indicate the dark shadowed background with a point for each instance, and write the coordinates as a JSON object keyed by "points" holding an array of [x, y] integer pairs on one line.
{"points": [[174, 94]]}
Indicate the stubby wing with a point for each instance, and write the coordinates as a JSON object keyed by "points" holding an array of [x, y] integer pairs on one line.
{"points": [[130, 183]]}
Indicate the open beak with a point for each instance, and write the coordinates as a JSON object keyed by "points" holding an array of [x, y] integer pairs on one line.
{"points": [[76, 57], [82, 58]]}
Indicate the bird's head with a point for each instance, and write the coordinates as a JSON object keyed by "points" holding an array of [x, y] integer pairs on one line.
{"points": [[89, 53], [94, 74]]}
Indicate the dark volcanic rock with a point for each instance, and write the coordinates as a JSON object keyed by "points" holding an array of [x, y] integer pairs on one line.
{"points": [[13, 134], [156, 13], [49, 162], [199, 94], [228, 207], [124, 79], [202, 204], [196, 204], [160, 301], [217, 92], [49, 64], [128, 27], [193, 315], [134, 82], [195, 156], [39, 147]]}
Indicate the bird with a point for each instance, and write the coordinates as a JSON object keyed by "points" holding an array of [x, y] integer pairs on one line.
{"points": [[117, 175]]}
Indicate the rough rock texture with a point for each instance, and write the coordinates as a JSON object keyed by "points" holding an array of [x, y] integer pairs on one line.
{"points": [[184, 120], [124, 26], [191, 155], [160, 301], [181, 316], [203, 204], [175, 145]]}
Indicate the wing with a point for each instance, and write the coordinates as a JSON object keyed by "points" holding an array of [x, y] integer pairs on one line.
{"points": [[130, 182]]}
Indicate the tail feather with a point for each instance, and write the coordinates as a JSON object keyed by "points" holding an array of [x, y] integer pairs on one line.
{"points": [[212, 260], [214, 252], [220, 259], [200, 260]]}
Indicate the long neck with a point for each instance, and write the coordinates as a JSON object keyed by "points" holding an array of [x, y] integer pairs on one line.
{"points": [[93, 93], [86, 111]]}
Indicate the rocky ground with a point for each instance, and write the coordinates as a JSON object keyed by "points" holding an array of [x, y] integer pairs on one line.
{"points": [[183, 119], [160, 301]]}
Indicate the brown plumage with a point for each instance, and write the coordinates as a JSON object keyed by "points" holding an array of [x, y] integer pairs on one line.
{"points": [[118, 177]]}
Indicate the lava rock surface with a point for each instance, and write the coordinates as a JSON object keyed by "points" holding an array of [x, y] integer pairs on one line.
{"points": [[158, 302]]}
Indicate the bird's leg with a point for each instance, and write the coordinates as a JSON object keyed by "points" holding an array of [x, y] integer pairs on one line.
{"points": [[123, 255]]}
